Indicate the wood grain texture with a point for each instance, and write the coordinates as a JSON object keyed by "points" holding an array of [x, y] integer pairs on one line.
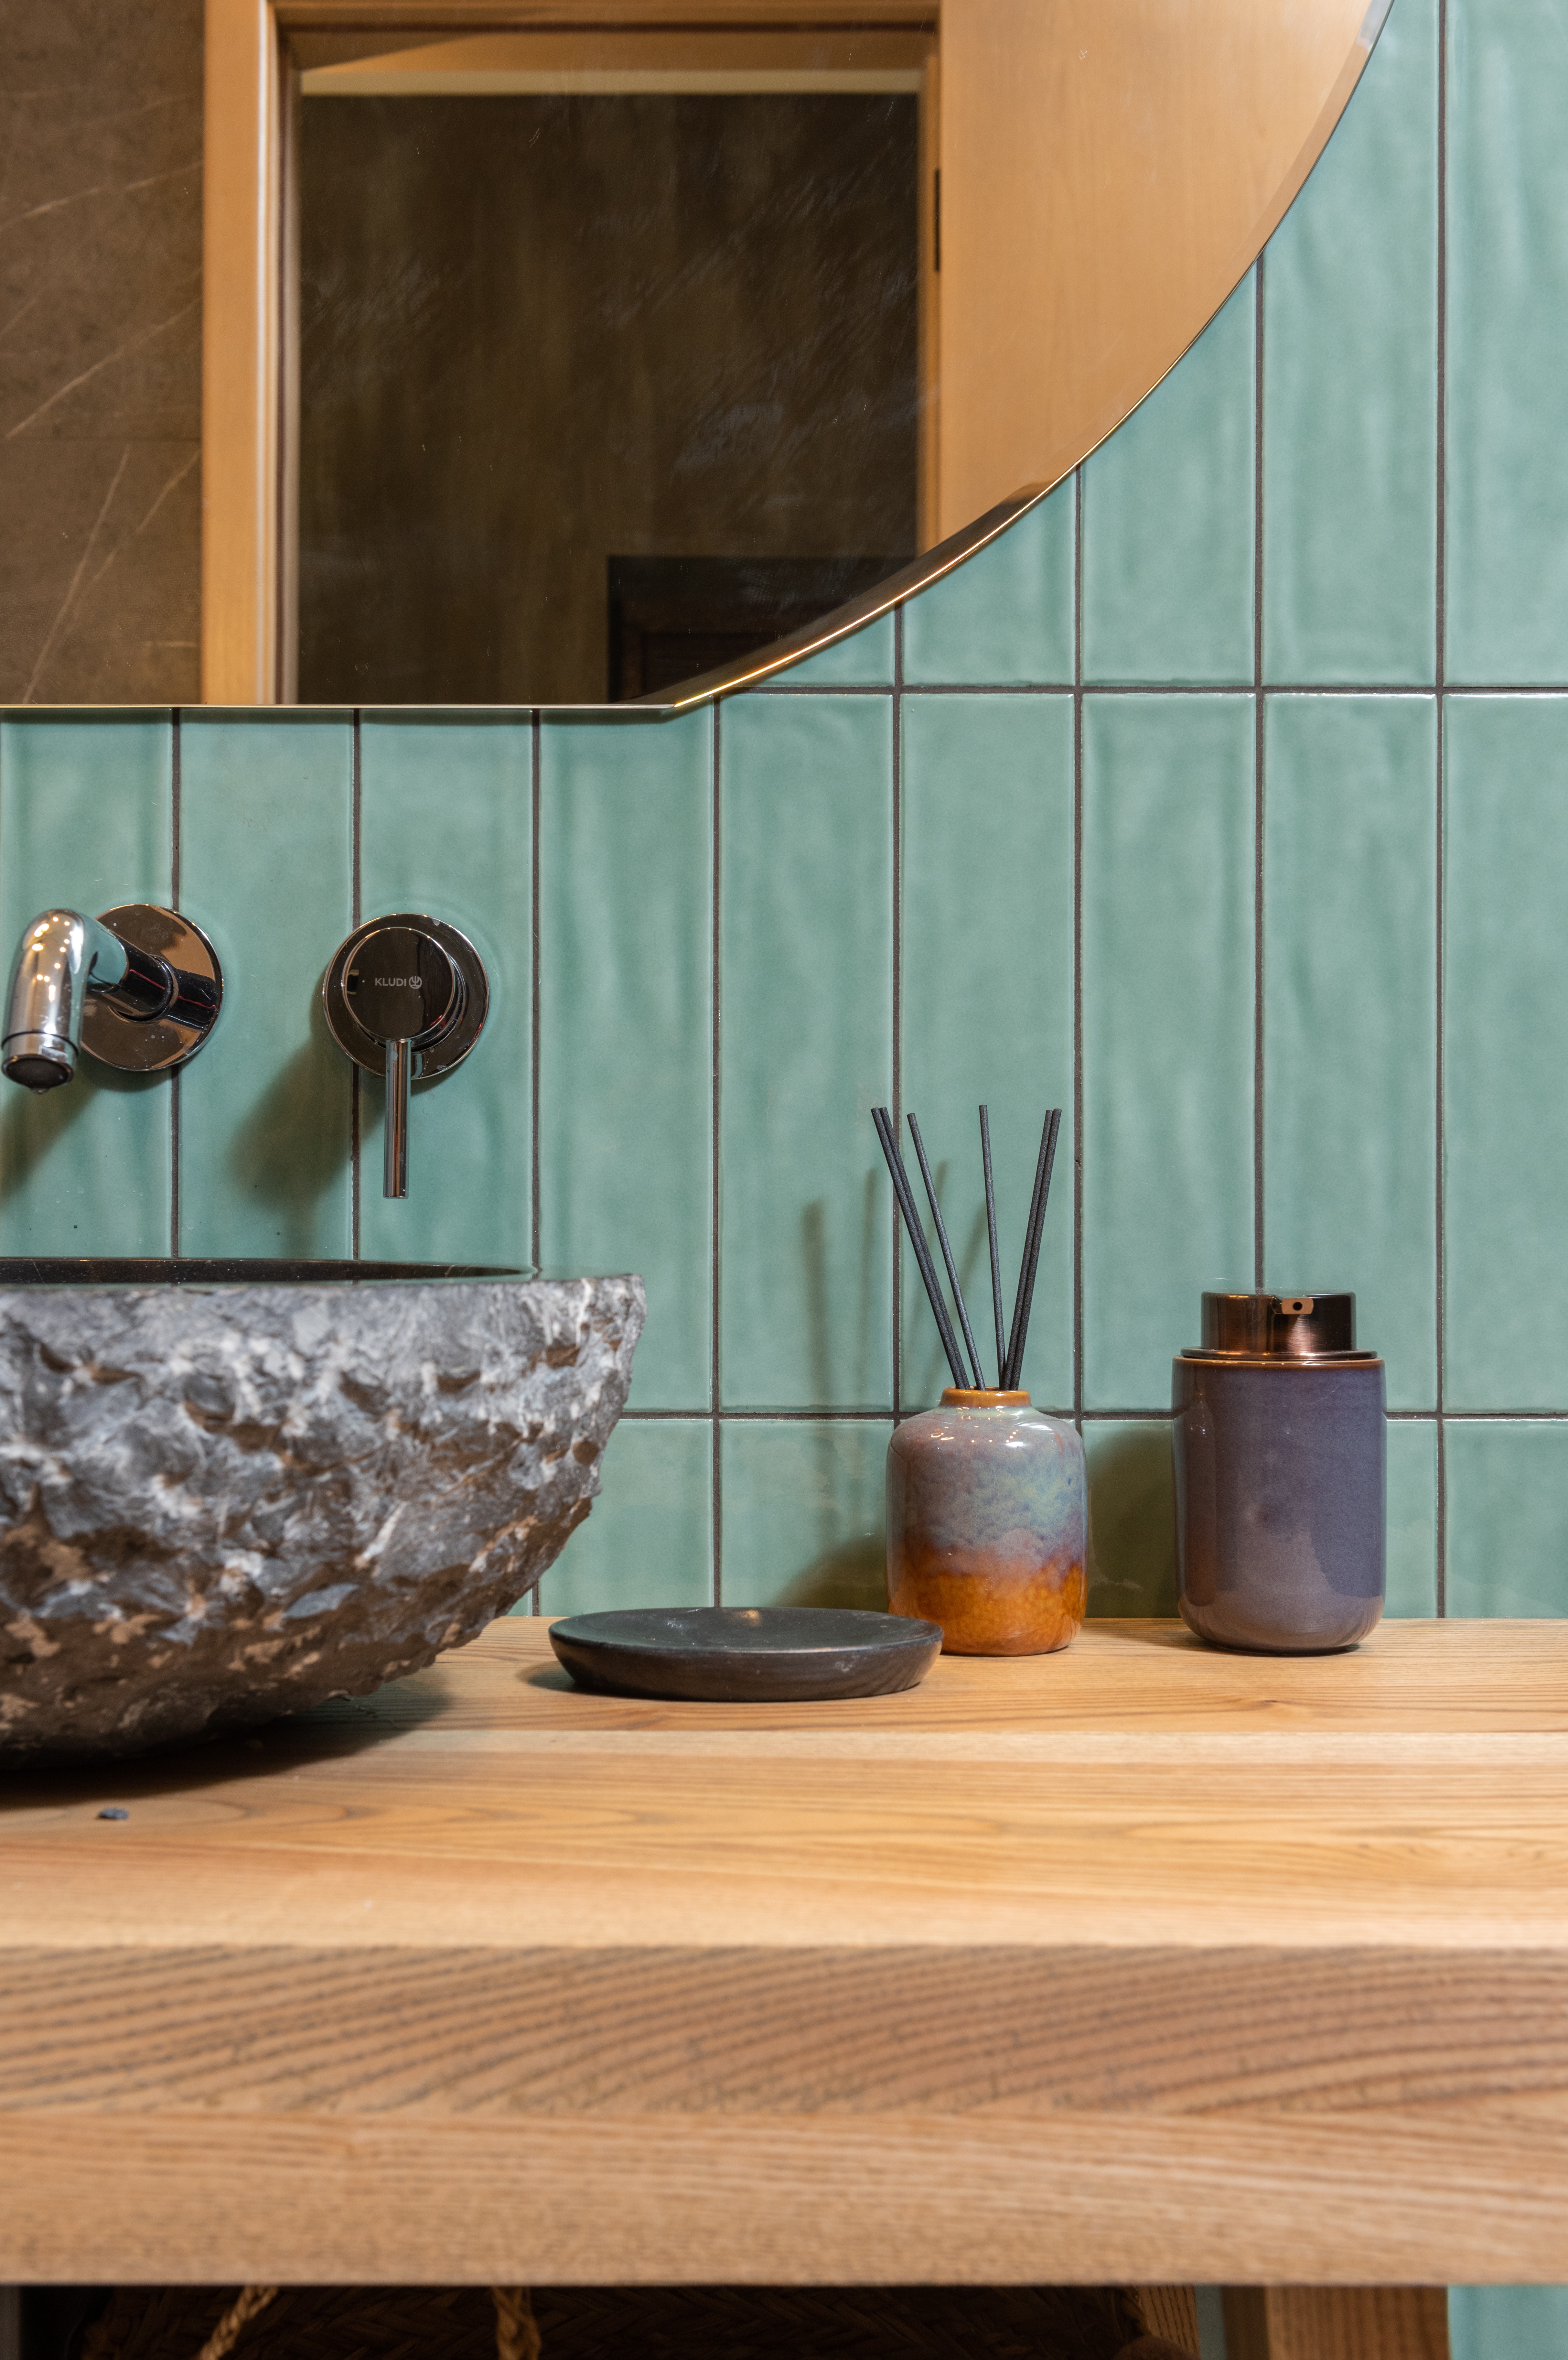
{"points": [[422, 16], [497, 60], [1170, 2312], [1335, 2324], [1139, 1964], [242, 313]]}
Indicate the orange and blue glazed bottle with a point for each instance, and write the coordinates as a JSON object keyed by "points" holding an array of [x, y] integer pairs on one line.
{"points": [[987, 1524]]}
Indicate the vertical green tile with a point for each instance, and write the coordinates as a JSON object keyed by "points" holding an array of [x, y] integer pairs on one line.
{"points": [[266, 818], [807, 1018], [86, 817], [862, 661], [1350, 386], [1507, 2323], [1350, 1016], [626, 1038], [1168, 1030], [1005, 617], [1506, 508], [1412, 1516], [446, 828], [1132, 1516], [803, 1517], [1505, 1018], [1167, 520], [987, 1006], [648, 1540], [1508, 1515]]}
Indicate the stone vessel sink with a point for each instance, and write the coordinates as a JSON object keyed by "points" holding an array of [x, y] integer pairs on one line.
{"points": [[230, 1489]]}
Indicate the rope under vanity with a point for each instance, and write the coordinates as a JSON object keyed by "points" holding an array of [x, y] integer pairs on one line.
{"points": [[517, 2330], [226, 2333]]}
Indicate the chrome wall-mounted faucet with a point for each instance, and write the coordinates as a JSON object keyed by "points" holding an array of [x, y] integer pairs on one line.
{"points": [[401, 988], [138, 988]]}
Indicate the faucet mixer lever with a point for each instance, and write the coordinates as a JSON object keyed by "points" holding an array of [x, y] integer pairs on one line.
{"points": [[398, 987], [405, 992]]}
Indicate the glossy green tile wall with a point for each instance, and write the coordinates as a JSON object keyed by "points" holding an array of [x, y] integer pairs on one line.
{"points": [[86, 820], [1221, 802], [625, 1029], [470, 1168], [987, 1012], [1167, 922], [1350, 1013], [265, 836]]}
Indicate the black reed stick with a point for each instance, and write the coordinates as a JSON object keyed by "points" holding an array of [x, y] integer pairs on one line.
{"points": [[902, 1189], [991, 1232], [947, 1253], [1030, 1262]]}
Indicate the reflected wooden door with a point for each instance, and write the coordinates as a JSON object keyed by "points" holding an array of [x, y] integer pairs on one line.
{"points": [[1108, 171], [1110, 168]]}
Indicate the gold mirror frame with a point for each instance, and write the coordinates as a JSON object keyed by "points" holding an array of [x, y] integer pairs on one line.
{"points": [[1110, 171]]}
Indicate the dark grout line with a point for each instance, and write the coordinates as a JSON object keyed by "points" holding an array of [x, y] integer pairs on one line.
{"points": [[174, 832], [1078, 946], [536, 1027], [1492, 1416], [1259, 788], [175, 755], [535, 764], [1439, 661], [354, 1145], [766, 1416], [174, 1165], [898, 1077], [715, 1277], [826, 688], [357, 819], [1072, 1415], [356, 904], [1187, 688]]}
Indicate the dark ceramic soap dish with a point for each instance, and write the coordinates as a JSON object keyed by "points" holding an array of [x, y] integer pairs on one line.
{"points": [[745, 1655]]}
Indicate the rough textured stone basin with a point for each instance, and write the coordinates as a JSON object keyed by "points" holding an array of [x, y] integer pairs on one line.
{"points": [[231, 1490]]}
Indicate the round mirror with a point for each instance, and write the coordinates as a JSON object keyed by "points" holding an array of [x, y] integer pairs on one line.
{"points": [[599, 358]]}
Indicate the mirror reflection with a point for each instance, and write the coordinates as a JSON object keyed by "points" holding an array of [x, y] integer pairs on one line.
{"points": [[360, 351], [597, 391]]}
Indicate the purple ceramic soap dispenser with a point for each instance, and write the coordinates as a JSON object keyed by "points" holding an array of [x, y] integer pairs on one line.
{"points": [[1280, 1476]]}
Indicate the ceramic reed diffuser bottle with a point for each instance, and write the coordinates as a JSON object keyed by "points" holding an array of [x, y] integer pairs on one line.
{"points": [[986, 1521], [1279, 1475], [987, 1511]]}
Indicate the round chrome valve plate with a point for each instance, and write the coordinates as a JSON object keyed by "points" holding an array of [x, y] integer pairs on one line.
{"points": [[462, 1010], [157, 1044]]}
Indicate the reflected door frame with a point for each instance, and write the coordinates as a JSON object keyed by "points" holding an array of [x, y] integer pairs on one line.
{"points": [[249, 376]]}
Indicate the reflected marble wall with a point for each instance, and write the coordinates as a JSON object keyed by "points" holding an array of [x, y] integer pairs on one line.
{"points": [[100, 350]]}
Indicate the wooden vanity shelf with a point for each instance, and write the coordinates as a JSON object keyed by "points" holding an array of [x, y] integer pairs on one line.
{"points": [[1140, 1965]]}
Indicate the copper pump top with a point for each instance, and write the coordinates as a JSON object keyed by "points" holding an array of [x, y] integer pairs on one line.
{"points": [[1281, 1326]]}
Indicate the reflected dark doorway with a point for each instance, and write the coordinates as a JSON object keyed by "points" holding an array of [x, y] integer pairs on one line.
{"points": [[596, 390]]}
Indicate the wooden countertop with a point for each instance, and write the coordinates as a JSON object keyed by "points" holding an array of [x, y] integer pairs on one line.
{"points": [[1136, 1963]]}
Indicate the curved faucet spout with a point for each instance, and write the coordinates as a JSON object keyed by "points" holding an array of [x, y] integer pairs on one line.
{"points": [[63, 957]]}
